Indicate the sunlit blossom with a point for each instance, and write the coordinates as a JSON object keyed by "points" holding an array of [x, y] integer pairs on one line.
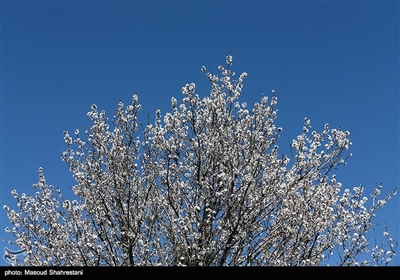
{"points": [[229, 59]]}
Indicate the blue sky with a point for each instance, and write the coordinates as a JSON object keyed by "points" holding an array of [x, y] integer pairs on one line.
{"points": [[334, 62]]}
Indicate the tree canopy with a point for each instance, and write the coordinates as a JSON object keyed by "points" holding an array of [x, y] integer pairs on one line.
{"points": [[202, 185]]}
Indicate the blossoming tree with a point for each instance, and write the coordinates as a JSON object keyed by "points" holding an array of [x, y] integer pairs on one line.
{"points": [[204, 185]]}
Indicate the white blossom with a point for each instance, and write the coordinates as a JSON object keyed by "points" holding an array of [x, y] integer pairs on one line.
{"points": [[229, 59]]}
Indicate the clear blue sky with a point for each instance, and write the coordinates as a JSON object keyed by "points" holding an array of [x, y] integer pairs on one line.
{"points": [[333, 62]]}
